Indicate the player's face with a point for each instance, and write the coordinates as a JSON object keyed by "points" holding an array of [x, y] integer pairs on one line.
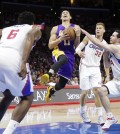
{"points": [[100, 30], [65, 16], [113, 38]]}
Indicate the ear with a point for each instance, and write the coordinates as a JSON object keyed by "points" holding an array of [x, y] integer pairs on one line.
{"points": [[104, 30], [70, 17]]}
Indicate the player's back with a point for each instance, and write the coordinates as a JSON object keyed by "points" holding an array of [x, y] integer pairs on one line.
{"points": [[14, 36]]}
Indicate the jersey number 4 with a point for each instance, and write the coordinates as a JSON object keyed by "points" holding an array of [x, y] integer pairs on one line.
{"points": [[12, 34]]}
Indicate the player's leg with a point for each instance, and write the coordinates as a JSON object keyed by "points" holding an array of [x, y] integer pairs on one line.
{"points": [[61, 60], [83, 110], [5, 102], [58, 86], [19, 113], [84, 86], [99, 107], [95, 81], [103, 92]]}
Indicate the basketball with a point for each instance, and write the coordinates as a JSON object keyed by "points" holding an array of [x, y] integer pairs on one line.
{"points": [[71, 32]]}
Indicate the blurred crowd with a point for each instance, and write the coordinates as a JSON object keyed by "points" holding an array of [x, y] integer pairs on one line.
{"points": [[40, 59]]}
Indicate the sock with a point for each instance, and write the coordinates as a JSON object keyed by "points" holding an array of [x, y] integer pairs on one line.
{"points": [[50, 74], [100, 111], [11, 127], [82, 108], [52, 91], [109, 115]]}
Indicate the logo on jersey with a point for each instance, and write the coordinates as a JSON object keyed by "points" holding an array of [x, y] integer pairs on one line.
{"points": [[94, 47]]}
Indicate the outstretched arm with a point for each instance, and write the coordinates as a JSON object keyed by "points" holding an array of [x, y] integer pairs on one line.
{"points": [[111, 48], [78, 33]]}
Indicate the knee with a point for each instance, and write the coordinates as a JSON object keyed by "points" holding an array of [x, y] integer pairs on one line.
{"points": [[84, 93], [101, 91], [63, 59], [59, 86], [28, 98]]}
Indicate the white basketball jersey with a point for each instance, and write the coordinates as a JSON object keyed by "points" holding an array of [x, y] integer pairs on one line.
{"points": [[115, 65], [14, 37], [93, 54]]}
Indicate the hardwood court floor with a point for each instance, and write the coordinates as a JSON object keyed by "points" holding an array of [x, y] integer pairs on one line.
{"points": [[47, 116]]}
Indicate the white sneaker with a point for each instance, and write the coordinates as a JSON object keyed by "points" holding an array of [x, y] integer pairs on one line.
{"points": [[109, 122], [100, 120], [85, 117]]}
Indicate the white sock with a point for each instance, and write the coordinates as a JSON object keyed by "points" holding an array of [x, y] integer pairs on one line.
{"points": [[109, 115], [82, 108], [11, 127], [100, 111]]}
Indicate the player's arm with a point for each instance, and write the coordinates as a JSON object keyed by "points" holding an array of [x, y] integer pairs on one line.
{"points": [[32, 35], [80, 47], [106, 63], [54, 41], [110, 48], [78, 33]]}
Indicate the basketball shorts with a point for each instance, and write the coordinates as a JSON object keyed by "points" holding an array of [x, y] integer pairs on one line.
{"points": [[9, 79], [113, 87], [66, 70], [90, 77]]}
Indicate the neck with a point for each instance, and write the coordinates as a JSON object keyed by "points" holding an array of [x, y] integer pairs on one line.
{"points": [[66, 23], [99, 37]]}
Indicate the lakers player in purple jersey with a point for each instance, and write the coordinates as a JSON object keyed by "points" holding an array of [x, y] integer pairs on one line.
{"points": [[62, 54]]}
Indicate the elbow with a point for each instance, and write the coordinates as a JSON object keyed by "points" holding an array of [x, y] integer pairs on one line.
{"points": [[50, 47]]}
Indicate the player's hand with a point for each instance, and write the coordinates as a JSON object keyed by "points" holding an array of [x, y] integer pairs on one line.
{"points": [[64, 36], [82, 54], [23, 70]]}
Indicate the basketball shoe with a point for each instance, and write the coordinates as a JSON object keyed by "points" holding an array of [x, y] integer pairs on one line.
{"points": [[110, 121], [100, 120], [44, 79], [50, 92], [84, 117]]}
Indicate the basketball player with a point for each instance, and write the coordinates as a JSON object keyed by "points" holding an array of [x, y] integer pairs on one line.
{"points": [[89, 71], [15, 46], [62, 54], [112, 87]]}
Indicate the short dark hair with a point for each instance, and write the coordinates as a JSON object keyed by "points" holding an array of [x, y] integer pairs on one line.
{"points": [[118, 31], [26, 17]]}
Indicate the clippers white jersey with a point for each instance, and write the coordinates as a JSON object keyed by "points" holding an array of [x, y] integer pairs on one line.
{"points": [[11, 49], [115, 65], [93, 54], [14, 37]]}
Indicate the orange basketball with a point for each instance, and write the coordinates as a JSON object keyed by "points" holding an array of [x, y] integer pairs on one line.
{"points": [[71, 32]]}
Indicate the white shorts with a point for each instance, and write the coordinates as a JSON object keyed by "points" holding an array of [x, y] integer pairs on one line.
{"points": [[90, 77], [113, 87], [9, 79]]}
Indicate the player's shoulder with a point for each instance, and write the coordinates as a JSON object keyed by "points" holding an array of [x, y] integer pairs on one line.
{"points": [[104, 41], [54, 28]]}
